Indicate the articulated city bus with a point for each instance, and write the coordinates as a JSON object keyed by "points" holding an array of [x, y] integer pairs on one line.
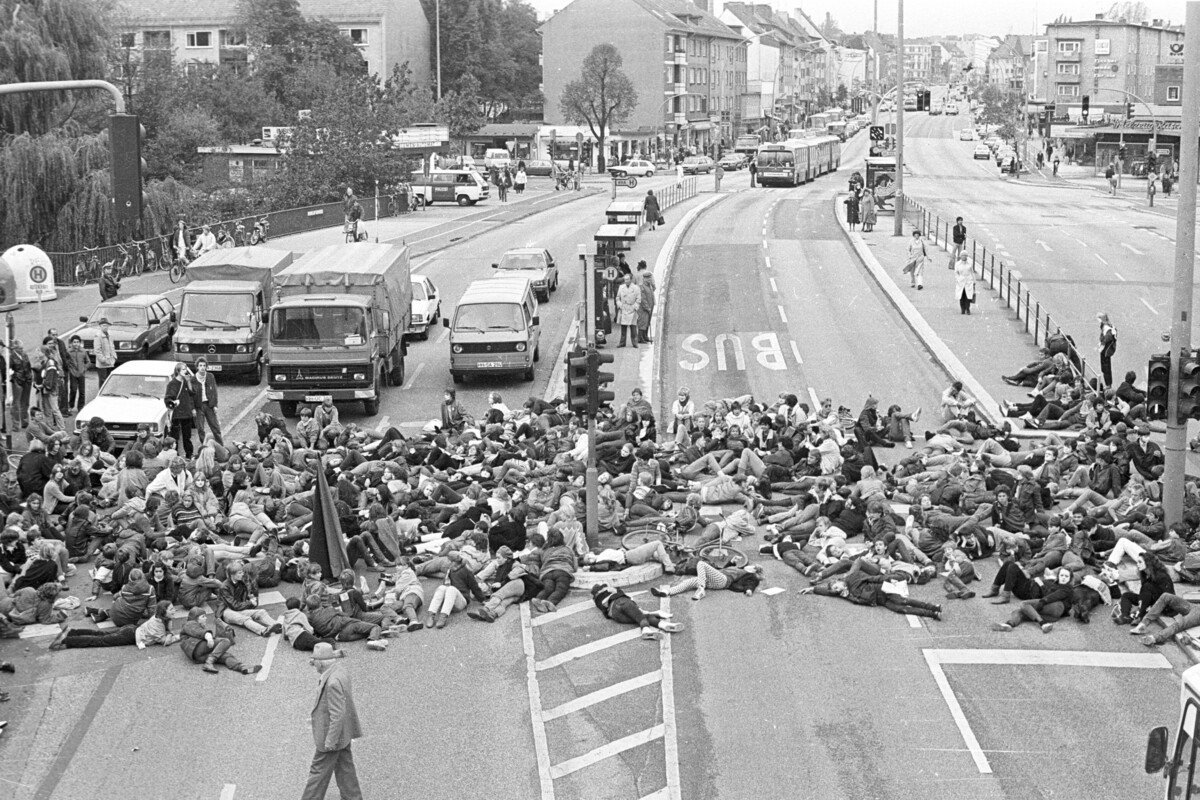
{"points": [[797, 161], [1179, 764]]}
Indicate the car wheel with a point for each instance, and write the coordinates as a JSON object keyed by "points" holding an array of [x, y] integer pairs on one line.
{"points": [[463, 200], [528, 376], [537, 354], [256, 375], [456, 377], [371, 407], [287, 408], [146, 351], [650, 174], [544, 297]]}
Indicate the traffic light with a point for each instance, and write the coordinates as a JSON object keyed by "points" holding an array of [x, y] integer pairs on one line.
{"points": [[1151, 161], [577, 380], [600, 305], [125, 134], [1087, 104], [927, 97], [1129, 111], [1189, 388], [597, 396], [1158, 377], [920, 101]]}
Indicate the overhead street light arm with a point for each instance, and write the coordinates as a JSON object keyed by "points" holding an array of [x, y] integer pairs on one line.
{"points": [[61, 86]]}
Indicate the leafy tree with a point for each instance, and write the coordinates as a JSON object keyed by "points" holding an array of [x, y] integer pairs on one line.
{"points": [[50, 40], [401, 102], [172, 150], [999, 106], [459, 109], [602, 96]]}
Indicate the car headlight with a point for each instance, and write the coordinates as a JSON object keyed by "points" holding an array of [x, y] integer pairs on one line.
{"points": [[521, 347], [241, 348], [280, 378], [183, 348], [124, 345], [360, 376], [457, 348]]}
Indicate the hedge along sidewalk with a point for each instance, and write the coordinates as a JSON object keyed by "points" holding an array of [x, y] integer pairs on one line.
{"points": [[975, 349]]}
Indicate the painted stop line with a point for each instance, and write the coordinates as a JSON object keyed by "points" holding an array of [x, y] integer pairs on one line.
{"points": [[727, 352]]}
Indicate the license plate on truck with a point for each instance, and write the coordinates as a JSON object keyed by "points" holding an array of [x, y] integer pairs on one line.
{"points": [[491, 364], [317, 398], [214, 367]]}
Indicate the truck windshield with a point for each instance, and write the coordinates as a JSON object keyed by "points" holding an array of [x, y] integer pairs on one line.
{"points": [[317, 325], [200, 310], [490, 317]]}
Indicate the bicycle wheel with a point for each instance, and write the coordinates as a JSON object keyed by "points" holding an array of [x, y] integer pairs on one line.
{"points": [[641, 536], [722, 555], [178, 271], [139, 264]]}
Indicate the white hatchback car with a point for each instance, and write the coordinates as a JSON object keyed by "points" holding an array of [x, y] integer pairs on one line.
{"points": [[134, 394], [636, 167], [982, 151], [966, 135], [426, 306]]}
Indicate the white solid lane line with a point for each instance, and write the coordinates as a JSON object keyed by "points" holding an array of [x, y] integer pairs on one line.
{"points": [[412, 379], [782, 315], [249, 408], [267, 659], [670, 743], [540, 744]]}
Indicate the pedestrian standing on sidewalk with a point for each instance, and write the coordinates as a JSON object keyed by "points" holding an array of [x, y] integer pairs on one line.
{"points": [[958, 236], [646, 282], [106, 353], [1056, 162], [521, 179], [1041, 159], [914, 267], [1110, 174], [77, 366], [629, 300], [1108, 347], [753, 172], [964, 283], [1151, 186], [868, 211], [22, 379], [851, 202], [335, 726]]}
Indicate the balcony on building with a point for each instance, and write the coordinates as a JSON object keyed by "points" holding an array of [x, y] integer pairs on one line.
{"points": [[678, 88]]}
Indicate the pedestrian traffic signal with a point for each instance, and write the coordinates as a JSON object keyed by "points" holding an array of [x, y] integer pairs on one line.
{"points": [[1189, 388], [577, 380], [1087, 103], [1158, 378], [125, 134], [598, 397]]}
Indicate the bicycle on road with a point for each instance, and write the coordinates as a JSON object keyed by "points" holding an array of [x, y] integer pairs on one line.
{"points": [[719, 554]]}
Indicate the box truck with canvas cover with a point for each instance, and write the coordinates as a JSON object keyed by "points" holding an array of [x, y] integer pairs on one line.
{"points": [[223, 310], [338, 325]]}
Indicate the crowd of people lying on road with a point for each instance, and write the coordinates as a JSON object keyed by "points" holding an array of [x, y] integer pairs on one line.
{"points": [[480, 514]]}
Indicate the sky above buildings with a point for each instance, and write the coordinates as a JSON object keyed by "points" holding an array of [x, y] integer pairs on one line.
{"points": [[945, 17]]}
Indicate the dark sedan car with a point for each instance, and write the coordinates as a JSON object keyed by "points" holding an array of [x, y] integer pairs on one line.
{"points": [[542, 167], [694, 165]]}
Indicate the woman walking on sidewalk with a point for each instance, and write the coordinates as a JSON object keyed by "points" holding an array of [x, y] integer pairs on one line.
{"points": [[851, 202], [964, 283], [868, 211], [914, 267]]}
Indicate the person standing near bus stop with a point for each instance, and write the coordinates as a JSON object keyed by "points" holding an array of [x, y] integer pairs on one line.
{"points": [[959, 236]]}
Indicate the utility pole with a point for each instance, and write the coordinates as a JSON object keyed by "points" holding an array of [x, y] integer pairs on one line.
{"points": [[437, 13], [591, 479], [899, 228], [1175, 452], [875, 82]]}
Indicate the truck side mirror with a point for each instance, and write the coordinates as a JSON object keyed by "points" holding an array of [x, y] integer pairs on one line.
{"points": [[537, 320], [1156, 750], [445, 322], [495, 266], [83, 319]]}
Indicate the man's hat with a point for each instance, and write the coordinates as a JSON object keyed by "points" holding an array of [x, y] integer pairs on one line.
{"points": [[104, 321], [323, 651]]}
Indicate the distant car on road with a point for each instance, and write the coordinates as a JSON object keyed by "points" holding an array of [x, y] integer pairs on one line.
{"points": [[982, 151], [694, 165], [132, 395], [952, 109], [966, 135], [140, 325], [637, 167], [935, 111], [733, 161], [426, 306], [534, 263], [543, 167]]}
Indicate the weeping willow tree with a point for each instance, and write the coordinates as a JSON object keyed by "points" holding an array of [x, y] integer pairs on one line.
{"points": [[49, 40]]}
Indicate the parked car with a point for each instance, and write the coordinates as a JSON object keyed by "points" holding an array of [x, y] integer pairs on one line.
{"points": [[534, 263], [638, 167], [952, 109], [133, 395], [426, 306], [139, 325], [982, 151], [966, 135], [733, 161], [935, 111], [543, 167], [694, 165]]}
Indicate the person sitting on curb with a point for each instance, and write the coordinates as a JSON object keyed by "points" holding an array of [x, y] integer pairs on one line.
{"points": [[211, 646], [620, 607]]}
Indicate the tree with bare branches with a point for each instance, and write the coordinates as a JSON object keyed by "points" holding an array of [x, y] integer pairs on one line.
{"points": [[602, 96]]}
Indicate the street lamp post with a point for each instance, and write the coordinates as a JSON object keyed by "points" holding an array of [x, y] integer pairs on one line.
{"points": [[898, 230], [437, 13]]}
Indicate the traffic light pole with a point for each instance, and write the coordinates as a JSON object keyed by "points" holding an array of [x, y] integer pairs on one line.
{"points": [[899, 223], [1175, 452], [591, 478], [61, 86]]}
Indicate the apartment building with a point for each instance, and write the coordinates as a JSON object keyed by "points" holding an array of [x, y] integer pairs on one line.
{"points": [[1107, 60], [771, 100]]}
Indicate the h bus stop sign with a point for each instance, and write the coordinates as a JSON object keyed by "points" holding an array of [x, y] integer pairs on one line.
{"points": [[628, 182]]}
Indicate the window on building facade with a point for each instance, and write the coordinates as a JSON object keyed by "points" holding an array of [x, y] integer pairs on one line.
{"points": [[1068, 68], [199, 39], [1172, 92], [357, 36], [260, 168], [237, 172], [1068, 90], [1069, 46], [127, 40], [156, 40]]}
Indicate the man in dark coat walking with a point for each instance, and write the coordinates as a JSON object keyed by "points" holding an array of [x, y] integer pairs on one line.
{"points": [[335, 726]]}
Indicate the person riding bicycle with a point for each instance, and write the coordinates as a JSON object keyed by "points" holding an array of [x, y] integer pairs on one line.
{"points": [[354, 212], [179, 241], [205, 242]]}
